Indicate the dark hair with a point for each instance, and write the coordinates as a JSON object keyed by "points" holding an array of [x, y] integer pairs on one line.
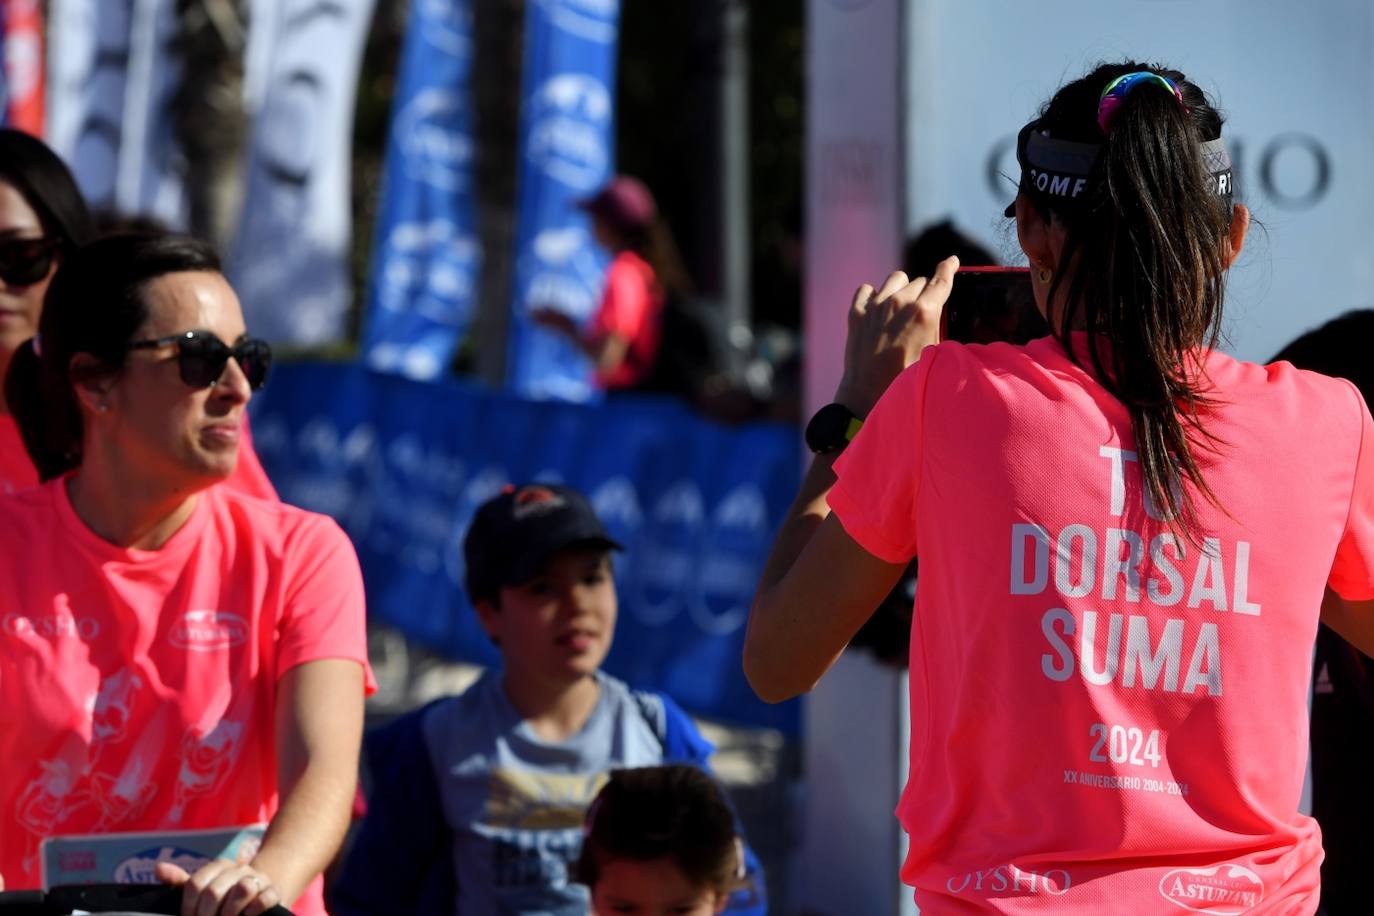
{"points": [[655, 244], [95, 305], [1148, 246], [48, 186], [935, 243], [1339, 348], [676, 812]]}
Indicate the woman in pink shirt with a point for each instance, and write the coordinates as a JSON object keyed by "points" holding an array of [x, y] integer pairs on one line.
{"points": [[1125, 540], [43, 219], [174, 655], [622, 339]]}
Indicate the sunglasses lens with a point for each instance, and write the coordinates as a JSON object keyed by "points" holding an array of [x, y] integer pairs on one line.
{"points": [[201, 359], [24, 262], [255, 359]]}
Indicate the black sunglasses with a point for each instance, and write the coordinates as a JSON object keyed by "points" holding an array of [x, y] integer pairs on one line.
{"points": [[201, 357], [23, 262]]}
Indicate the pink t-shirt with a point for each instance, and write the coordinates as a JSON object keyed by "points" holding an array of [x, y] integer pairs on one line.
{"points": [[1105, 718], [631, 308], [16, 470], [18, 473], [138, 688]]}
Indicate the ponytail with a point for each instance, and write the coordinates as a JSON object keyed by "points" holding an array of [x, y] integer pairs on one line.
{"points": [[1148, 253]]}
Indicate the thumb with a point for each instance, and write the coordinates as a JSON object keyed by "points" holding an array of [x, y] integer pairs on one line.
{"points": [[945, 270], [171, 874]]}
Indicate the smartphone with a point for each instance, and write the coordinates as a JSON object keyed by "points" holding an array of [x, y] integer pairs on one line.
{"points": [[990, 304]]}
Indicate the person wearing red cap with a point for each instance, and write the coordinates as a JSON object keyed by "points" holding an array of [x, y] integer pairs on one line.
{"points": [[622, 337]]}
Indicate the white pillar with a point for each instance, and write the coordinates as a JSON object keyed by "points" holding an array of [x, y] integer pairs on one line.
{"points": [[856, 721]]}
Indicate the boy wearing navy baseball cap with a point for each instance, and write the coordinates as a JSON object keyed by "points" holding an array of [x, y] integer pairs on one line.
{"points": [[479, 798]]}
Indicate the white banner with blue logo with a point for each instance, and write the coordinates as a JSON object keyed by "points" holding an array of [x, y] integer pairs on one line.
{"points": [[567, 138], [113, 73], [424, 273], [290, 261]]}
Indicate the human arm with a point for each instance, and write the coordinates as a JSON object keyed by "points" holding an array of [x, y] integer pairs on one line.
{"points": [[319, 716], [606, 351], [1348, 605], [819, 585]]}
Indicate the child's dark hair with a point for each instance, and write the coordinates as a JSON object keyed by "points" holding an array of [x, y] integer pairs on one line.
{"points": [[675, 812], [1150, 249]]}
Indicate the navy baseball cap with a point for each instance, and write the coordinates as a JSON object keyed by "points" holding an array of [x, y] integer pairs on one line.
{"points": [[514, 534]]}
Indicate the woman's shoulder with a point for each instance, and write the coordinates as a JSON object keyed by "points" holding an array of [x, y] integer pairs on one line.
{"points": [[1278, 379], [953, 362], [276, 523], [22, 509]]}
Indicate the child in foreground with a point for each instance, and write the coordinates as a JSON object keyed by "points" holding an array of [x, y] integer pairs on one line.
{"points": [[661, 841], [478, 799]]}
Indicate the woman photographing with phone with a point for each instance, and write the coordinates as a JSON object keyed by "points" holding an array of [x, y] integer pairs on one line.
{"points": [[175, 655], [1124, 535]]}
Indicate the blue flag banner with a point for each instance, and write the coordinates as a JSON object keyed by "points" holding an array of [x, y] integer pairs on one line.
{"points": [[424, 271], [402, 465], [567, 142]]}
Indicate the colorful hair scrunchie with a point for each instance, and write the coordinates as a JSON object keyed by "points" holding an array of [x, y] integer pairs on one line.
{"points": [[1122, 86]]}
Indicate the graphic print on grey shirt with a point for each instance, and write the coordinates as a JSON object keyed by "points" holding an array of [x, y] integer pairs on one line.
{"points": [[515, 803]]}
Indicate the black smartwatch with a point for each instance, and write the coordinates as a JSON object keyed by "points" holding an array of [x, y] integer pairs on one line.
{"points": [[831, 429]]}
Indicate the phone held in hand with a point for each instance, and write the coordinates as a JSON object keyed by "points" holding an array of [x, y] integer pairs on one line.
{"points": [[989, 304]]}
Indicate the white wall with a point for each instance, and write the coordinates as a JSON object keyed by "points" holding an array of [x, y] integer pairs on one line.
{"points": [[1294, 82]]}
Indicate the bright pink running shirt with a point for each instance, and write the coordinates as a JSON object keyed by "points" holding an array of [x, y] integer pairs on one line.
{"points": [[1103, 717], [16, 470], [631, 308], [138, 688]]}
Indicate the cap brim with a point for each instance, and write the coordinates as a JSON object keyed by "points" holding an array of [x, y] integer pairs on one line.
{"points": [[528, 566]]}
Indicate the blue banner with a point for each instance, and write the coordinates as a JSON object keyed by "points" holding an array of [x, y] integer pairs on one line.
{"points": [[567, 143], [427, 254], [403, 465]]}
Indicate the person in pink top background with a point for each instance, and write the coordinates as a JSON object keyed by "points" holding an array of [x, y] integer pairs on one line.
{"points": [[174, 655], [622, 338], [1126, 539], [43, 219]]}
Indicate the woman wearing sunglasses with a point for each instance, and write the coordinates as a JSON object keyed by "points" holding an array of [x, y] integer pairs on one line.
{"points": [[43, 219], [175, 655], [1125, 537]]}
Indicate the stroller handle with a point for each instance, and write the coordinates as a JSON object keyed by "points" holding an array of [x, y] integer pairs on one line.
{"points": [[152, 899]]}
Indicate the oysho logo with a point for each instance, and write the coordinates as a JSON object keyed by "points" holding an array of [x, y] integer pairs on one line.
{"points": [[1008, 879], [208, 631], [138, 868], [1223, 890], [62, 623]]}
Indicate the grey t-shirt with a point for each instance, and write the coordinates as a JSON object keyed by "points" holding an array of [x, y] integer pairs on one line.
{"points": [[515, 803]]}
